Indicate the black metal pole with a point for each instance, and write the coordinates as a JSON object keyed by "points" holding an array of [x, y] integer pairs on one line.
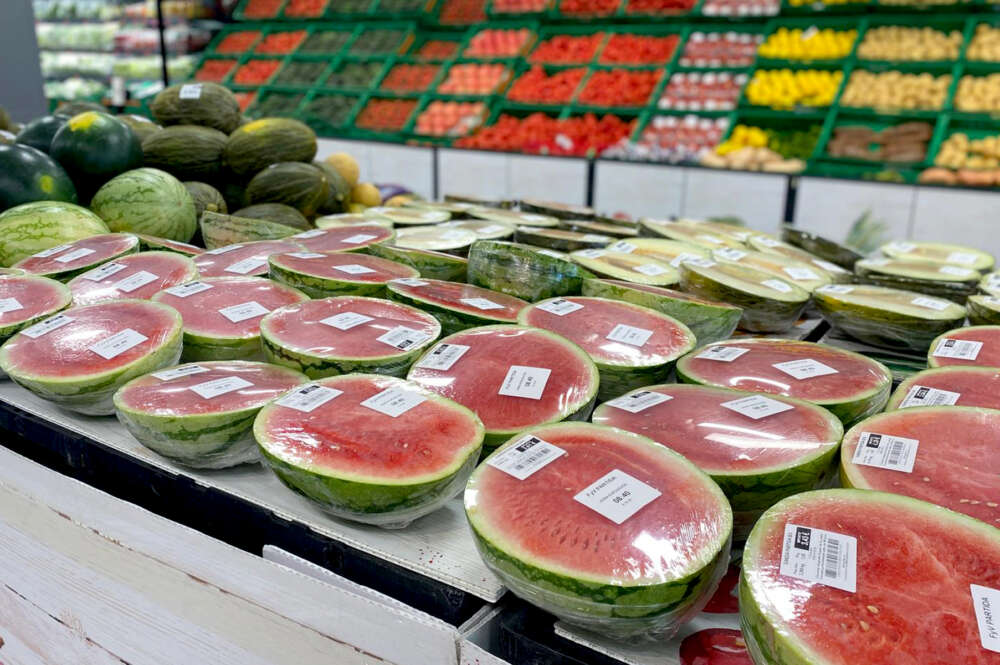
{"points": [[163, 43]]}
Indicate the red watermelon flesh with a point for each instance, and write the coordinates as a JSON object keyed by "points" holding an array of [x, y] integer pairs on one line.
{"points": [[173, 396], [915, 564], [26, 297], [451, 294], [475, 380], [65, 351], [90, 251], [987, 356], [720, 440], [956, 464], [726, 599], [589, 328], [715, 646], [342, 437], [300, 326], [383, 270], [174, 245], [201, 311], [343, 239], [976, 386], [134, 276], [249, 258]]}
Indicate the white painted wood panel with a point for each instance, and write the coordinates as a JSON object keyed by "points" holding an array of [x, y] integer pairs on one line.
{"points": [[473, 173], [757, 198], [640, 190], [562, 180], [829, 207]]}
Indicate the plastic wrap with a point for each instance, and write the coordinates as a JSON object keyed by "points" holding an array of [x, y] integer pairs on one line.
{"points": [[349, 334], [343, 219], [561, 240], [631, 345], [934, 279], [514, 217], [758, 449], [436, 238], [27, 299], [990, 284], [661, 249], [770, 304], [971, 346], [222, 314], [407, 216], [523, 271], [560, 210], [342, 239], [247, 259], [201, 414], [81, 356], [321, 275], [137, 276], [66, 261], [825, 249], [691, 232], [802, 274], [512, 377], [919, 573], [848, 384], [372, 449], [983, 310], [767, 245], [483, 229], [629, 267], [457, 306], [887, 317], [942, 253], [951, 386], [605, 529]]}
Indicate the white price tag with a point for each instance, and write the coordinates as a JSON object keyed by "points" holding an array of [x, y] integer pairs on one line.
{"points": [[315, 233], [393, 402], [807, 368], [189, 289], [481, 303], [247, 266], [306, 255], [987, 605], [75, 254], [103, 272], [726, 354], [838, 289], [829, 267], [346, 320], [927, 396], [136, 281], [117, 344], [623, 247], [178, 372], [559, 307], [522, 381], [549, 252], [902, 247], [712, 240], [768, 242], [51, 251], [594, 237], [930, 303], [815, 555], [410, 281], [757, 406], [639, 401], [964, 258], [10, 305], [962, 349], [190, 91], [526, 456], [403, 338], [684, 257], [216, 387], [617, 495], [47, 326], [800, 274], [591, 253], [629, 335], [955, 271], [353, 269], [777, 285], [885, 451], [650, 269], [359, 238], [700, 262], [491, 228], [244, 311], [223, 250], [443, 356], [309, 398], [730, 254]]}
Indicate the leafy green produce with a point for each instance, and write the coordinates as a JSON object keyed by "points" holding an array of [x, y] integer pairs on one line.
{"points": [[331, 110], [300, 73], [278, 103], [793, 143], [373, 42], [354, 75], [328, 41]]}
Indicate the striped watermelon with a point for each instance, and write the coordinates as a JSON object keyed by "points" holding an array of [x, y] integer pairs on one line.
{"points": [[147, 201], [34, 227]]}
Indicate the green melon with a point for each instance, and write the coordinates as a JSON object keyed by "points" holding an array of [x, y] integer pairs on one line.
{"points": [[39, 132], [205, 104], [940, 280], [33, 227], [983, 310], [258, 144], [147, 201], [187, 152], [339, 196], [205, 197], [301, 186], [275, 212], [141, 126]]}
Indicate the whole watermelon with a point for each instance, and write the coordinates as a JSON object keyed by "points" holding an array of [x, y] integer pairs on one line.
{"points": [[39, 132], [30, 228], [28, 175], [147, 201], [93, 148]]}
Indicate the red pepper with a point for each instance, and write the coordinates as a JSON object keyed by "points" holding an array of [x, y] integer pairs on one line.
{"points": [[589, 7], [410, 78], [493, 43], [619, 87], [535, 86], [629, 49], [463, 12], [539, 133], [238, 42], [385, 114], [437, 49]]}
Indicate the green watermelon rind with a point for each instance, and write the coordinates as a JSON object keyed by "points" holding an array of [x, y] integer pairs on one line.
{"points": [[607, 605], [152, 243], [982, 312], [432, 265], [67, 275], [761, 313], [23, 233], [932, 360], [597, 266], [947, 286], [318, 286], [522, 271], [218, 230], [92, 394], [453, 319], [904, 388], [200, 441], [559, 239], [710, 322], [147, 201], [984, 261], [9, 330]]}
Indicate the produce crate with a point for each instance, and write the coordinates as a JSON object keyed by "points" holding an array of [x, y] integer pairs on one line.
{"points": [[234, 29], [249, 63], [296, 72], [798, 109], [820, 7], [439, 72], [499, 15], [582, 105], [397, 35], [354, 67], [907, 68], [240, 13], [953, 124], [942, 23], [290, 29], [323, 123], [972, 22], [304, 10], [526, 47], [509, 64], [550, 70], [976, 69], [558, 12], [654, 31], [650, 117], [350, 10], [838, 23], [846, 118], [327, 39], [373, 99], [422, 38], [403, 9], [575, 31], [276, 101], [456, 14], [708, 107], [714, 10], [216, 62], [784, 122], [711, 32], [428, 100]]}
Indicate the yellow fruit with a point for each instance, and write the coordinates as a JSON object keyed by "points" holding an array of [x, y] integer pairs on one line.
{"points": [[366, 194], [346, 166], [356, 208]]}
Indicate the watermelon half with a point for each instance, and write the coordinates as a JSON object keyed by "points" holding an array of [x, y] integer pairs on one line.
{"points": [[370, 448], [63, 262], [544, 377], [641, 570], [147, 242], [483, 229], [347, 334], [138, 276], [26, 300], [949, 386], [523, 271], [432, 265], [972, 346], [344, 239], [956, 255], [407, 216], [336, 274], [628, 267], [688, 231], [912, 603], [80, 357], [457, 306], [758, 449], [927, 277], [797, 272], [436, 238], [242, 259], [983, 310], [849, 384], [632, 346], [222, 315], [201, 415], [514, 217]]}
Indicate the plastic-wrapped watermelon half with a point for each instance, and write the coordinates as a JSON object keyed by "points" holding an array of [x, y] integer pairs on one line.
{"points": [[454, 208], [344, 239], [972, 346], [26, 300], [321, 275], [627, 267], [522, 271], [632, 346], [887, 317], [949, 386], [797, 272], [483, 229], [247, 259], [848, 384], [604, 528], [662, 250], [370, 448], [222, 315], [201, 415], [138, 276], [710, 321], [514, 217], [758, 448], [769, 245], [990, 284], [933, 279], [730, 229], [943, 253], [407, 216], [436, 238], [512, 377], [63, 262], [457, 306], [615, 230], [152, 243], [770, 304], [688, 231], [983, 310], [347, 334], [78, 358], [341, 220], [561, 240], [824, 248], [432, 265], [906, 582], [557, 209]]}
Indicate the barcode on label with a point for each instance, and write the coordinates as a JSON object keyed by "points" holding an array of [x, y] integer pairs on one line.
{"points": [[309, 398], [136, 281], [559, 307], [885, 451], [835, 288], [526, 456], [726, 354], [730, 254], [831, 562], [47, 326], [639, 401], [623, 247], [189, 289], [824, 557], [962, 349], [930, 303], [178, 372], [403, 338], [443, 356], [927, 396]]}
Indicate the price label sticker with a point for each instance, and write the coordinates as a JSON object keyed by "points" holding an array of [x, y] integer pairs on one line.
{"points": [[595, 237], [617, 495], [443, 356], [10, 305], [961, 349], [216, 387], [629, 335], [559, 307], [117, 344], [190, 91], [410, 281], [639, 401], [523, 381], [726, 354], [490, 229], [800, 274], [930, 303], [309, 398], [711, 240], [902, 247], [829, 267], [315, 233], [730, 254], [986, 602], [777, 285], [136, 281], [178, 372], [623, 247], [926, 396], [757, 406], [346, 320], [103, 272], [837, 289], [189, 289], [403, 338], [306, 255], [767, 242], [955, 271], [549, 252], [962, 258], [47, 326], [244, 311], [884, 451], [651, 269], [353, 269], [591, 253], [481, 303], [224, 250], [526, 456], [824, 557], [806, 368], [359, 238], [51, 251], [75, 254], [697, 259], [393, 402], [248, 265]]}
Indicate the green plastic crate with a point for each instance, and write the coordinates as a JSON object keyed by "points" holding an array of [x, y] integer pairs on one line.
{"points": [[323, 124], [385, 9], [294, 73], [775, 120], [821, 22], [846, 118], [549, 31], [262, 105], [345, 63], [239, 14], [907, 68], [339, 36], [367, 32], [686, 63], [940, 22]]}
